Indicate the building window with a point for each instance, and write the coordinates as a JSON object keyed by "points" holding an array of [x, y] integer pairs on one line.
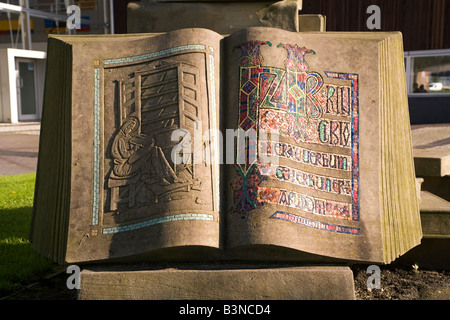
{"points": [[428, 72]]}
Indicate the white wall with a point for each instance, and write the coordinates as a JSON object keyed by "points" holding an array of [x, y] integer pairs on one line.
{"points": [[8, 90], [5, 110]]}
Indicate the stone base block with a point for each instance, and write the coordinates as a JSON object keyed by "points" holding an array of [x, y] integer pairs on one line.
{"points": [[434, 215], [209, 283], [432, 162]]}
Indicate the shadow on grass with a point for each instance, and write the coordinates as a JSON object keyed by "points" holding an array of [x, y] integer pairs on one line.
{"points": [[19, 263]]}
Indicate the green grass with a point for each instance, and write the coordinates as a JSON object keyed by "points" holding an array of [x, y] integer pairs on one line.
{"points": [[19, 264]]}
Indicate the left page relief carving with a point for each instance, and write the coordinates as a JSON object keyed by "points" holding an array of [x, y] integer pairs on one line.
{"points": [[147, 98]]}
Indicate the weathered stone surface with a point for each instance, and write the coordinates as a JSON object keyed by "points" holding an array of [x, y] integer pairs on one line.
{"points": [[435, 216], [431, 136], [222, 17], [432, 162], [431, 145], [311, 22], [285, 283]]}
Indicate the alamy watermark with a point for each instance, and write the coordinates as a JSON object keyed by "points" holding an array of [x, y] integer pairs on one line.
{"points": [[73, 281], [238, 147], [74, 20], [374, 20], [374, 279]]}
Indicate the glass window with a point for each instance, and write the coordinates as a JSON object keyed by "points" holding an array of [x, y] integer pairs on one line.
{"points": [[430, 74]]}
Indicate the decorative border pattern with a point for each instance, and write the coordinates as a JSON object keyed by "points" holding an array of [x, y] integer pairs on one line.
{"points": [[314, 224], [96, 178], [151, 222], [154, 54], [355, 136]]}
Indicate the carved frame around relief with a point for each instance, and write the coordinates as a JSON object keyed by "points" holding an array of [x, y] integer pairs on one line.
{"points": [[160, 95]]}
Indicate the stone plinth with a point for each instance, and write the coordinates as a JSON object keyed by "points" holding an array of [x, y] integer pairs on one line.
{"points": [[223, 17], [435, 216], [211, 283], [431, 147], [432, 162]]}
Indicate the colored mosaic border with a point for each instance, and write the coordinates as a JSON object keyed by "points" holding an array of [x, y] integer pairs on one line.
{"points": [[96, 178], [354, 78], [216, 150], [177, 217], [155, 54], [314, 224]]}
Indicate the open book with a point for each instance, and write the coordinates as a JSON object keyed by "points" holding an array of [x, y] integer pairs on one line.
{"points": [[264, 144]]}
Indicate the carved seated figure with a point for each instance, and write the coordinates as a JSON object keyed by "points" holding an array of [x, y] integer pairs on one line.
{"points": [[137, 160]]}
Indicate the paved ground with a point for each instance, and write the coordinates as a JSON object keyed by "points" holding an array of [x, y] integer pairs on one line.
{"points": [[431, 136], [19, 148]]}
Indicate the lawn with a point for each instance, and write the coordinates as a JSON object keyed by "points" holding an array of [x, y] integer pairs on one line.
{"points": [[19, 264]]}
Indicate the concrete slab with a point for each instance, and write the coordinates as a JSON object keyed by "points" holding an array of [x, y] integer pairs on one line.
{"points": [[18, 151], [209, 283], [431, 136], [312, 22], [435, 216], [21, 127], [432, 162], [223, 17], [431, 149]]}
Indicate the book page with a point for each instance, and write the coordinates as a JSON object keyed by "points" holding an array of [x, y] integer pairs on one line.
{"points": [[305, 173], [137, 186]]}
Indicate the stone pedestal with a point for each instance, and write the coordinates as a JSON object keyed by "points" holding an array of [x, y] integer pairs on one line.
{"points": [[208, 282], [224, 17]]}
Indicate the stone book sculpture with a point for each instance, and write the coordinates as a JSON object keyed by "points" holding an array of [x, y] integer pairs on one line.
{"points": [[190, 145]]}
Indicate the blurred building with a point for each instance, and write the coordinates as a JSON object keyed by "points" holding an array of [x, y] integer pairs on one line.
{"points": [[425, 25], [24, 28]]}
